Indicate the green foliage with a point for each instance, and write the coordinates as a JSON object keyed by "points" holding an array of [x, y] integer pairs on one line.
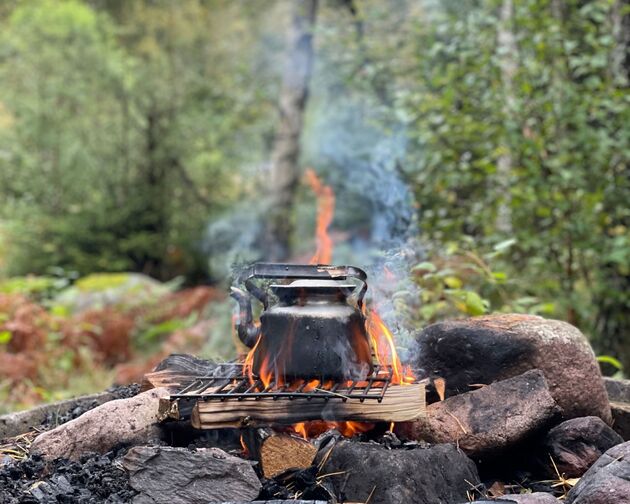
{"points": [[461, 282], [118, 134], [565, 130]]}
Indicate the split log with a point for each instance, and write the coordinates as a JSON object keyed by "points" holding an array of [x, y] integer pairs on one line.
{"points": [[281, 452], [401, 403]]}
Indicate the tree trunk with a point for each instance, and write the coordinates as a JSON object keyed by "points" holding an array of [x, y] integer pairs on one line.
{"points": [[150, 200], [506, 45], [285, 173]]}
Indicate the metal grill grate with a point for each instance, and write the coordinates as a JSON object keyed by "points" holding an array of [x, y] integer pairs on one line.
{"points": [[230, 383]]}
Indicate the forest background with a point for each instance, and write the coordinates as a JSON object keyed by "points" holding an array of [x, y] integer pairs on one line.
{"points": [[478, 152]]}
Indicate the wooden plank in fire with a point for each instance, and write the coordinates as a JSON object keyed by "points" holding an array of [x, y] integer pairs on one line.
{"points": [[401, 403]]}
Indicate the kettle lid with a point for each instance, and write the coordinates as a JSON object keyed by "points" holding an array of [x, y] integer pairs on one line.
{"points": [[314, 285]]}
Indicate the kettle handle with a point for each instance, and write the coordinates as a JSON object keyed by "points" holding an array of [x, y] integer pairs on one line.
{"points": [[309, 271]]}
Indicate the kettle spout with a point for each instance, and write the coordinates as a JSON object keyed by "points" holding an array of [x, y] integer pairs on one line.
{"points": [[247, 331]]}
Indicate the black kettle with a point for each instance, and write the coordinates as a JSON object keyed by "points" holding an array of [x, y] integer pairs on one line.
{"points": [[315, 329]]}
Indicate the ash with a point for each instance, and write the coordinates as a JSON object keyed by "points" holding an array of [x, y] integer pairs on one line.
{"points": [[94, 479]]}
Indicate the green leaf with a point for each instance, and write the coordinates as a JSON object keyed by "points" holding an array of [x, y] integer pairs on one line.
{"points": [[474, 304], [608, 359], [499, 276], [453, 282], [5, 337], [468, 302]]}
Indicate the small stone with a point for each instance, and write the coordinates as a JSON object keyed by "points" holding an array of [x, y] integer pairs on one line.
{"points": [[575, 445], [619, 395], [526, 498], [482, 350], [181, 476], [532, 498], [618, 390], [489, 420], [621, 419], [440, 473], [607, 481]]}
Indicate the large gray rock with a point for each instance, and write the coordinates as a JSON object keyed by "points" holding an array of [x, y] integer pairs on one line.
{"points": [[607, 481], [180, 476], [482, 350], [489, 420], [575, 445], [123, 421], [440, 474]]}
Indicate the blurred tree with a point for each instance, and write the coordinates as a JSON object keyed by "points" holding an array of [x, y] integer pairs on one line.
{"points": [[567, 140], [285, 171], [136, 128]]}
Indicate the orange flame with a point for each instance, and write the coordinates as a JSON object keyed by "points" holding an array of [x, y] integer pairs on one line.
{"points": [[325, 213], [382, 342], [314, 428], [244, 447], [248, 365]]}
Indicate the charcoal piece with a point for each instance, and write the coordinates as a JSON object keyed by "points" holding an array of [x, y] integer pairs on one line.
{"points": [[271, 489], [440, 473], [304, 482]]}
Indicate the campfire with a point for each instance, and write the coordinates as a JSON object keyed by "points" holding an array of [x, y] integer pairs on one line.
{"points": [[320, 359], [320, 406]]}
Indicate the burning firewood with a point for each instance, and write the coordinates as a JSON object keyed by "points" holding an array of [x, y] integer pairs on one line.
{"points": [[400, 403]]}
